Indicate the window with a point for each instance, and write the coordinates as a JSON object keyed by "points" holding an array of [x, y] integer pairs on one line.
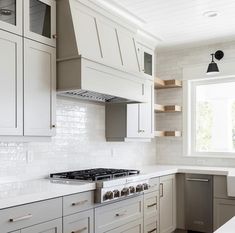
{"points": [[212, 113]]}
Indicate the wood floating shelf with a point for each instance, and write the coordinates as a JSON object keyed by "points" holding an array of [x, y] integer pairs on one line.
{"points": [[167, 108], [168, 134], [164, 84]]}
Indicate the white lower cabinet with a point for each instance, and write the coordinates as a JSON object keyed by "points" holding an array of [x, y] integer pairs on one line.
{"points": [[39, 89], [82, 222], [54, 226], [132, 227], [167, 204]]}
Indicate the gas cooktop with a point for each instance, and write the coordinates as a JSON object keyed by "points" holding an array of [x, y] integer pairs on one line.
{"points": [[97, 174]]}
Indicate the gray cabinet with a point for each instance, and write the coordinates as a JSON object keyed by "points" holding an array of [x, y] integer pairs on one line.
{"points": [[54, 226], [40, 21], [82, 222], [11, 12], [131, 121], [11, 84], [39, 89], [167, 204]]}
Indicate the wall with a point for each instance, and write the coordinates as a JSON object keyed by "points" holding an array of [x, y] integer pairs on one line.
{"points": [[80, 143], [170, 65]]}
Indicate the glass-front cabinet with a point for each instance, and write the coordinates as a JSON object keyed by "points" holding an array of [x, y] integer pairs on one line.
{"points": [[40, 21], [11, 16], [146, 60]]}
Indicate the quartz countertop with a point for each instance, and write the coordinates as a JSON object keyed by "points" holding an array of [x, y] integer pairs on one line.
{"points": [[23, 192], [228, 227]]}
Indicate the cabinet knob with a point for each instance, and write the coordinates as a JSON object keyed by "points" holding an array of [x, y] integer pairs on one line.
{"points": [[54, 36], [53, 126]]}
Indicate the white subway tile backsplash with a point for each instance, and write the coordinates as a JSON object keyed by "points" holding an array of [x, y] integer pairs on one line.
{"points": [[79, 143]]}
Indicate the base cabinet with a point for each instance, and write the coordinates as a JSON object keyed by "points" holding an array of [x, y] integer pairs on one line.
{"points": [[167, 204], [133, 227], [54, 226], [81, 222]]}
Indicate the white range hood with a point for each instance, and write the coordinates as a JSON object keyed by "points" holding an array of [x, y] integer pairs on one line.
{"points": [[97, 58]]}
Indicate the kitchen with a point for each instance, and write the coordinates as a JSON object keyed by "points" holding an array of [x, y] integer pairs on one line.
{"points": [[113, 119]]}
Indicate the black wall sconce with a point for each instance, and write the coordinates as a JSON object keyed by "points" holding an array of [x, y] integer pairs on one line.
{"points": [[213, 67]]}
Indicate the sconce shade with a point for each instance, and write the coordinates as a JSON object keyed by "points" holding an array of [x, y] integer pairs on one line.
{"points": [[213, 67]]}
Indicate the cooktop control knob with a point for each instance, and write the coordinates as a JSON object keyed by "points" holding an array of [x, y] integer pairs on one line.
{"points": [[132, 189], [139, 188], [116, 193], [125, 192], [108, 195], [145, 186]]}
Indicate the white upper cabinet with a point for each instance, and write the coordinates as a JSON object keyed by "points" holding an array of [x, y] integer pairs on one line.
{"points": [[40, 21], [128, 50], [109, 43], [11, 84], [11, 16], [146, 60], [39, 89], [85, 28]]}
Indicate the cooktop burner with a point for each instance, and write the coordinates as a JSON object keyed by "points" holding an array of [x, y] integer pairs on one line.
{"points": [[95, 174]]}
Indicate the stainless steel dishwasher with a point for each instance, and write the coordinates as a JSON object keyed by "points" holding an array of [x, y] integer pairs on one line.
{"points": [[199, 203]]}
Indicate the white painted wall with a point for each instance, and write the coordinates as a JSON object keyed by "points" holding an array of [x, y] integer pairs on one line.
{"points": [[169, 65], [80, 143]]}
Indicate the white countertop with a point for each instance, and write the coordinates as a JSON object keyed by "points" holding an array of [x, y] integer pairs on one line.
{"points": [[22, 192], [228, 227]]}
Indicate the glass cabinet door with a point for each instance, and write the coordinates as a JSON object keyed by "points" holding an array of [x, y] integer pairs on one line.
{"points": [[148, 63], [11, 16], [40, 21]]}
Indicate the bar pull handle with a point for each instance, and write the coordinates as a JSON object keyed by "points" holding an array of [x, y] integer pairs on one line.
{"points": [[197, 180], [121, 214], [79, 231], [151, 231], [21, 218], [154, 204], [79, 203], [161, 189]]}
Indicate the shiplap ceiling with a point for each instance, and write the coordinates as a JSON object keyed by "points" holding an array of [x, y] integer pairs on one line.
{"points": [[179, 22]]}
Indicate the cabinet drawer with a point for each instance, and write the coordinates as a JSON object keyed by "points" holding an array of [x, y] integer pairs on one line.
{"points": [[150, 227], [27, 215], [117, 214], [154, 184], [132, 227], [80, 222], [151, 202], [77, 202]]}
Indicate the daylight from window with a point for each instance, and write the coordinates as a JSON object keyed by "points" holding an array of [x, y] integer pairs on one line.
{"points": [[215, 117]]}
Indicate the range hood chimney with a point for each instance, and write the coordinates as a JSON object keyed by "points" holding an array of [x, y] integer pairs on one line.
{"points": [[92, 62]]}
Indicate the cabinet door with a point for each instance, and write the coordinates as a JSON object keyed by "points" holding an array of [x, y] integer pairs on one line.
{"points": [[128, 50], [148, 61], [40, 21], [133, 120], [132, 227], [81, 222], [39, 89], [11, 88], [146, 113], [109, 43], [54, 226], [167, 204], [224, 210], [11, 15]]}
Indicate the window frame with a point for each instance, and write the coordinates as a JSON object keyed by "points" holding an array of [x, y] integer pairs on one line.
{"points": [[189, 117]]}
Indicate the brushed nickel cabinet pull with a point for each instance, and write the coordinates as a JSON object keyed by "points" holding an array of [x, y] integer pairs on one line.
{"points": [[161, 189], [79, 203], [198, 180], [151, 231], [121, 214], [154, 204], [21, 218], [79, 231]]}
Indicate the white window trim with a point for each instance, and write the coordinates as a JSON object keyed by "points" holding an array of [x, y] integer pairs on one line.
{"points": [[191, 76]]}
